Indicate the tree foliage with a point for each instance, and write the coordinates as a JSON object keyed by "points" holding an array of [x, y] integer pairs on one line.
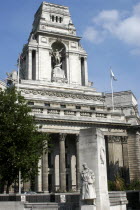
{"points": [[21, 145]]}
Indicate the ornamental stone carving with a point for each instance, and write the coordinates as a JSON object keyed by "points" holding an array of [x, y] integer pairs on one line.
{"points": [[102, 155], [63, 95], [117, 139]]}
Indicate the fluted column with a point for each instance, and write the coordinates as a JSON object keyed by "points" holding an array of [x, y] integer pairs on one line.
{"points": [[62, 164], [77, 164], [134, 154], [26, 71], [45, 172], [37, 63], [68, 68], [30, 64], [86, 71]]}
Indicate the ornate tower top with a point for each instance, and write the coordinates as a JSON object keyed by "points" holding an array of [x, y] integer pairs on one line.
{"points": [[53, 18], [53, 53]]}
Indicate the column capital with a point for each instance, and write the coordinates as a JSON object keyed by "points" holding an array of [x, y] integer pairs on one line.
{"points": [[62, 136], [29, 50]]}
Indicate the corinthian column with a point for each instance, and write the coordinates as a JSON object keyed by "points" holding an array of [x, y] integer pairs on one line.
{"points": [[45, 172], [62, 165], [77, 164]]}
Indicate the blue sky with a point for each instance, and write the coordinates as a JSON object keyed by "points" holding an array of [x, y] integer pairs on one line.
{"points": [[110, 31]]}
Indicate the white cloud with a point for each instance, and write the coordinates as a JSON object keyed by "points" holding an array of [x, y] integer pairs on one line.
{"points": [[107, 16], [93, 35], [124, 28], [135, 52], [136, 10], [129, 30]]}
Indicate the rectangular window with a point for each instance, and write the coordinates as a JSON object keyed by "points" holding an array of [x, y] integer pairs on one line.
{"points": [[30, 103], [47, 104], [63, 106], [92, 108], [78, 107]]}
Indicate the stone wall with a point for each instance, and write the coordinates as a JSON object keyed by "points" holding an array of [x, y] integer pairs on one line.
{"points": [[11, 205]]}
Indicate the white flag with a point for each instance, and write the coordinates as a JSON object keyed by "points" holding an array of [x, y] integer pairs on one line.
{"points": [[112, 75]]}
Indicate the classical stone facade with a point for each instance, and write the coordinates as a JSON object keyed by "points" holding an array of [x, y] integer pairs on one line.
{"points": [[54, 81]]}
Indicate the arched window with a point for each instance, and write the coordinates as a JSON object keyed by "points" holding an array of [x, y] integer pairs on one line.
{"points": [[52, 18]]}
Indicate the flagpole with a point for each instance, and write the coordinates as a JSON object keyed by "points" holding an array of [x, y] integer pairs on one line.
{"points": [[112, 94], [19, 177]]}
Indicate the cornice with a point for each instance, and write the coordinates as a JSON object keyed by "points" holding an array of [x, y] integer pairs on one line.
{"points": [[58, 35], [62, 94], [82, 123]]}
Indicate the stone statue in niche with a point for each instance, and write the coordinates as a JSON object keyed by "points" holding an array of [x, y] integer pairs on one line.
{"points": [[58, 72], [57, 56], [88, 185]]}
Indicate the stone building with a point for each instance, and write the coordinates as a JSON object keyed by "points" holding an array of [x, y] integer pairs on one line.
{"points": [[54, 81]]}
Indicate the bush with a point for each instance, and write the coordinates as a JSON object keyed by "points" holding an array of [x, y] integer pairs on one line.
{"points": [[134, 185], [117, 185]]}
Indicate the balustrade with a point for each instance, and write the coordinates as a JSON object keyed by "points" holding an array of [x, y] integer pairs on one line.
{"points": [[75, 113]]}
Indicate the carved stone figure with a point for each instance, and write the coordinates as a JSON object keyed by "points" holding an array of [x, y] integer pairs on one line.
{"points": [[58, 74], [88, 183], [102, 155], [57, 56]]}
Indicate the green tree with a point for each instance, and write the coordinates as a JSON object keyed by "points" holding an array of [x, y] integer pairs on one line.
{"points": [[21, 145]]}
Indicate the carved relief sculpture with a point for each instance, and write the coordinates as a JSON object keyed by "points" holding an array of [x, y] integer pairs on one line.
{"points": [[88, 183]]}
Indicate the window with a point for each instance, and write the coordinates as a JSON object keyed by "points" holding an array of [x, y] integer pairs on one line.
{"points": [[52, 18], [60, 20], [56, 19], [47, 104], [92, 108], [78, 107], [63, 106], [30, 103]]}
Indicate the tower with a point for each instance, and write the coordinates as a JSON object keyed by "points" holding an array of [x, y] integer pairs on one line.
{"points": [[53, 52]]}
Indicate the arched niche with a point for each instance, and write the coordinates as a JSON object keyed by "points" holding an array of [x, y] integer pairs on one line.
{"points": [[59, 56]]}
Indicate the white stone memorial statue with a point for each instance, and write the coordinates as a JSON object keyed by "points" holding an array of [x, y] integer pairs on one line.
{"points": [[88, 183]]}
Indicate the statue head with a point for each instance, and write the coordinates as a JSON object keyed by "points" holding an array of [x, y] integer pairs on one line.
{"points": [[84, 165]]}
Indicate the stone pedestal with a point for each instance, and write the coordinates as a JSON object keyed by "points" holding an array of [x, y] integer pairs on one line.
{"points": [[92, 151], [88, 207]]}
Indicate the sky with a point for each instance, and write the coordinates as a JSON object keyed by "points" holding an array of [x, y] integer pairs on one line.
{"points": [[110, 32]]}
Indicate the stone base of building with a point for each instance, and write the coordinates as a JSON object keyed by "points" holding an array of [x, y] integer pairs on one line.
{"points": [[88, 207]]}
